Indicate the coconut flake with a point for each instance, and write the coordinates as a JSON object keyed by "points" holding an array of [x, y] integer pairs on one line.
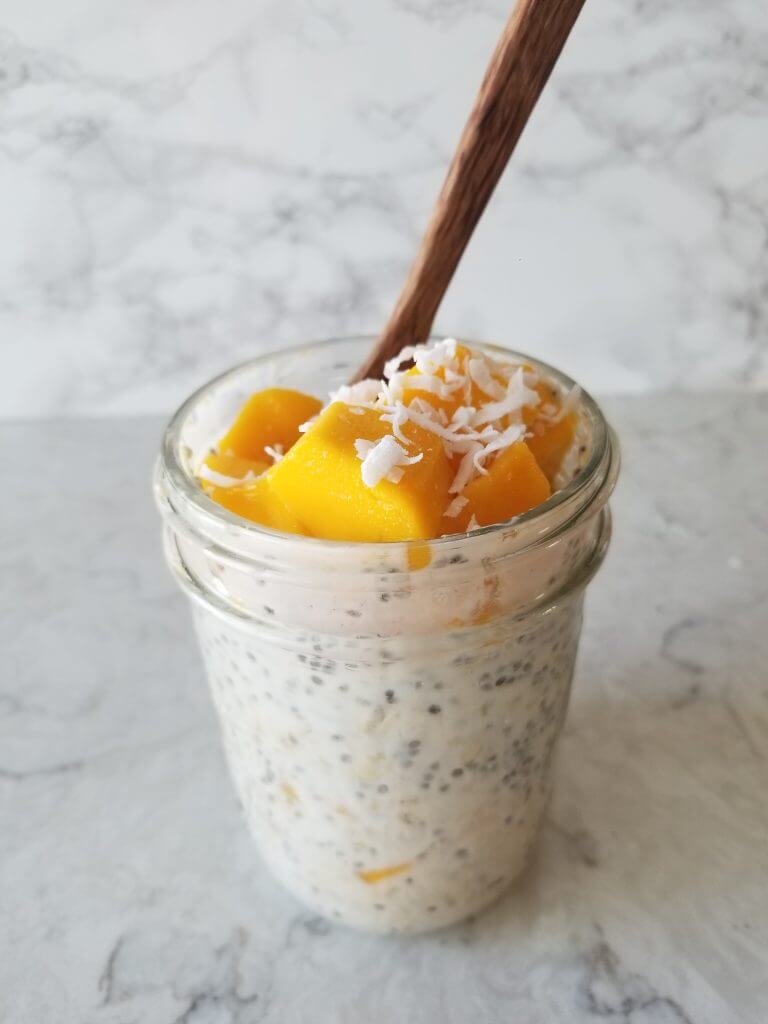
{"points": [[421, 405], [569, 403], [397, 418], [221, 479], [464, 416], [393, 365], [364, 393], [362, 447], [431, 383], [456, 506], [275, 452], [517, 397], [424, 420], [503, 440], [480, 373], [473, 524], [383, 458], [465, 470], [440, 356]]}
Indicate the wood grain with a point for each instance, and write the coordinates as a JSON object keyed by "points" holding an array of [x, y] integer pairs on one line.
{"points": [[520, 66]]}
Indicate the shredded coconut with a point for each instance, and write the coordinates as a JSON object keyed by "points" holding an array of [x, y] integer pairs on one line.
{"points": [[466, 467], [504, 440], [480, 373], [456, 506], [365, 392], [431, 382], [472, 525], [516, 397], [569, 403], [383, 459], [464, 416], [275, 452], [397, 418], [221, 479], [393, 365], [472, 434]]}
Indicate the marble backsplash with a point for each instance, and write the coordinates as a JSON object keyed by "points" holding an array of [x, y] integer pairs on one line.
{"points": [[187, 184]]}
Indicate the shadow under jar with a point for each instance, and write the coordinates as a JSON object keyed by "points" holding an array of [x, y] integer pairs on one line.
{"points": [[389, 729]]}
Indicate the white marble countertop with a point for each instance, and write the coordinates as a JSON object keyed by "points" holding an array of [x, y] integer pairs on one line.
{"points": [[131, 892], [193, 183]]}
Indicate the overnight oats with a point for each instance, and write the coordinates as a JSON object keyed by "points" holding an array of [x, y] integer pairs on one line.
{"points": [[388, 590]]}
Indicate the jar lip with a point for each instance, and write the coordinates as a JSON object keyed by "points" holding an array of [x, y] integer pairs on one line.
{"points": [[186, 484]]}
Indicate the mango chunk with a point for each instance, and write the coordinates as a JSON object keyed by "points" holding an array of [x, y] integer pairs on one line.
{"points": [[235, 466], [549, 441], [270, 417], [419, 556], [514, 484], [320, 481], [256, 500], [379, 874]]}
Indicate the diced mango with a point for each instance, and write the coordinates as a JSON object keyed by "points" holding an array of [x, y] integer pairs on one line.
{"points": [[257, 501], [270, 417], [234, 465], [551, 444], [549, 441], [419, 555], [380, 874], [320, 481], [231, 466], [513, 485]]}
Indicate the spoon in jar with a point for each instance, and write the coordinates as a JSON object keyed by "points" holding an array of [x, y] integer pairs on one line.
{"points": [[519, 69]]}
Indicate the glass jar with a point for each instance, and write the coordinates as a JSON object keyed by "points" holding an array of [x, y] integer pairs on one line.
{"points": [[389, 711]]}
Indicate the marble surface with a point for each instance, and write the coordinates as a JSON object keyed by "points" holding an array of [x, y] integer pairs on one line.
{"points": [[189, 183], [131, 892]]}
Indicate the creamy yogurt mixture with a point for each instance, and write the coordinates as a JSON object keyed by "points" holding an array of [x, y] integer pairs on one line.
{"points": [[395, 785]]}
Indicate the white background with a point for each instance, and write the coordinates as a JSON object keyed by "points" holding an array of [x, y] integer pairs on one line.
{"points": [[187, 183]]}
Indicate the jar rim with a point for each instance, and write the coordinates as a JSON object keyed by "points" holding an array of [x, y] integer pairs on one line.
{"points": [[188, 488]]}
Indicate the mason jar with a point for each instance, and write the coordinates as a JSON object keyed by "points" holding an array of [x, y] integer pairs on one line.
{"points": [[389, 712]]}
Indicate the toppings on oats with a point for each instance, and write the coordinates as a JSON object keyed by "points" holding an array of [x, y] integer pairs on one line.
{"points": [[456, 441]]}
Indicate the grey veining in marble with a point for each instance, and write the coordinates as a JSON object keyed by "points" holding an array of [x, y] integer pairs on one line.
{"points": [[131, 892], [186, 185]]}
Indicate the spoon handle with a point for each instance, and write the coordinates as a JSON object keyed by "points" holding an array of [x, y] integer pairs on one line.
{"points": [[527, 51]]}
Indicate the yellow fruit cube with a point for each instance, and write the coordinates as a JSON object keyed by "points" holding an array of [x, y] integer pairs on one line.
{"points": [[320, 480], [257, 501], [270, 417], [549, 441], [513, 485]]}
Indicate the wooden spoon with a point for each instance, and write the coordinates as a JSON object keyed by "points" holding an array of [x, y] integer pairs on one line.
{"points": [[520, 66]]}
